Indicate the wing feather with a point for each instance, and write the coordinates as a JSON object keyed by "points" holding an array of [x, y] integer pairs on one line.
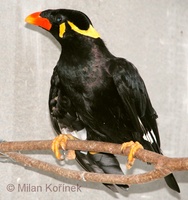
{"points": [[133, 93]]}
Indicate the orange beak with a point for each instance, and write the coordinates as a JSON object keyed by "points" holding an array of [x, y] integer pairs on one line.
{"points": [[37, 20]]}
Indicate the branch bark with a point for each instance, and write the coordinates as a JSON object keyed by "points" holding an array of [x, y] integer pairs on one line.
{"points": [[163, 165]]}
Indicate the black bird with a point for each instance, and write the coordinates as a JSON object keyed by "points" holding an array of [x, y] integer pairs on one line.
{"points": [[93, 89]]}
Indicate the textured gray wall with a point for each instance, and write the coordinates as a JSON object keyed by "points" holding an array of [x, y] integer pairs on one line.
{"points": [[153, 34]]}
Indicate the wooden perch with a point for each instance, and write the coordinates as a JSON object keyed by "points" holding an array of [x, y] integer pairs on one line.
{"points": [[163, 165]]}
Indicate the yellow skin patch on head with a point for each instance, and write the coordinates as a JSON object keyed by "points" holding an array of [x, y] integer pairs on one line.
{"points": [[91, 32], [62, 30]]}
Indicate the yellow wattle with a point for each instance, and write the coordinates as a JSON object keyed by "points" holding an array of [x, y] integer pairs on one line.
{"points": [[62, 28], [91, 32]]}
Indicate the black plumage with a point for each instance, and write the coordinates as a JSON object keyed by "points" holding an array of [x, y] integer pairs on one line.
{"points": [[93, 89], [63, 115]]}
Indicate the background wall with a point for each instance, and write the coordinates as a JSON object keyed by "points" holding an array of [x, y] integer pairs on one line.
{"points": [[151, 34]]}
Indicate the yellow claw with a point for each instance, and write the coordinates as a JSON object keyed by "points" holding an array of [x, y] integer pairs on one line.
{"points": [[60, 142], [93, 152], [134, 147]]}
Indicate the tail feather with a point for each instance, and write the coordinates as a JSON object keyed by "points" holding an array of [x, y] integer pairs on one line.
{"points": [[170, 179], [109, 164], [171, 182], [101, 163]]}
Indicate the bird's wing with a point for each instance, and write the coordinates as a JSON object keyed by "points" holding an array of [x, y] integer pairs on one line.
{"points": [[133, 93], [62, 112]]}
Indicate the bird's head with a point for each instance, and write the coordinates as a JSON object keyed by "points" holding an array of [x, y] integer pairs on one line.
{"points": [[62, 23]]}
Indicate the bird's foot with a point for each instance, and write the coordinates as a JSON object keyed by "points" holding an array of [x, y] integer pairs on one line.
{"points": [[134, 147], [60, 142]]}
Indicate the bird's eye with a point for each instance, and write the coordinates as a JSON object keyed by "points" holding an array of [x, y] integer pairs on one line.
{"points": [[59, 19]]}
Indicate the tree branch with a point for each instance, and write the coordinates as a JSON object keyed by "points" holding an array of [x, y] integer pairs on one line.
{"points": [[163, 165]]}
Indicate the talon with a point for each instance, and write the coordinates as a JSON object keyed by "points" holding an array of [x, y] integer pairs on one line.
{"points": [[134, 147], [93, 152], [60, 142]]}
